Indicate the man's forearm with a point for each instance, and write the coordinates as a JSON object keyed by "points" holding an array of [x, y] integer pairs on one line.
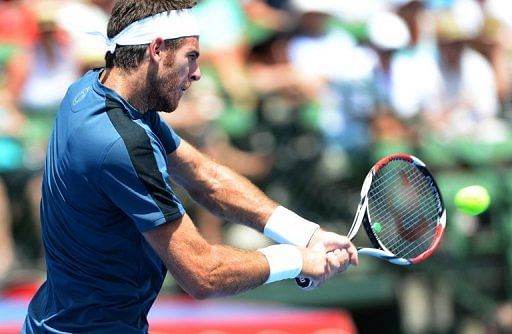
{"points": [[220, 190], [233, 197]]}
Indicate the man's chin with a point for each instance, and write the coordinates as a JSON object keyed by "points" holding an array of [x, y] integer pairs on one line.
{"points": [[168, 108], [167, 111]]}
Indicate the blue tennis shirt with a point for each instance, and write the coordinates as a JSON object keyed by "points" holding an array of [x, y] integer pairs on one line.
{"points": [[105, 181]]}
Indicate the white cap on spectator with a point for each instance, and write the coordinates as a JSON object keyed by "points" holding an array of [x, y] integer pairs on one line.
{"points": [[461, 22], [388, 31], [468, 16], [316, 6], [347, 10]]}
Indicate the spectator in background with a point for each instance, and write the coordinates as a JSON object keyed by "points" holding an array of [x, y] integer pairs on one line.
{"points": [[87, 49], [282, 131], [52, 68], [467, 89], [272, 73], [415, 64], [314, 34], [18, 32], [11, 159], [494, 41], [327, 54], [311, 111], [413, 14], [226, 55], [271, 15], [387, 34], [18, 26]]}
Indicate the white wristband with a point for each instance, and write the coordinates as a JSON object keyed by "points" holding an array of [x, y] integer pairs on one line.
{"points": [[286, 227], [284, 261]]}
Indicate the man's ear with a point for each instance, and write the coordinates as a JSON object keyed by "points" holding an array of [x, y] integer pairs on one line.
{"points": [[156, 48]]}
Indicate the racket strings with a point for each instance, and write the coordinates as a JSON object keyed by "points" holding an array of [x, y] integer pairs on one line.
{"points": [[404, 222], [402, 201], [416, 214], [410, 241], [407, 237]]}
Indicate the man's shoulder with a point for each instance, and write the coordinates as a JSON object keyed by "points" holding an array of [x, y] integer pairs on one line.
{"points": [[83, 91]]}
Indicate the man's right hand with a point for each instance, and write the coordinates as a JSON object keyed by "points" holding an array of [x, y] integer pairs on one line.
{"points": [[333, 241], [319, 265]]}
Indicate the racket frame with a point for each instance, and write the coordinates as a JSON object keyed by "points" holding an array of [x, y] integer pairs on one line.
{"points": [[379, 250]]}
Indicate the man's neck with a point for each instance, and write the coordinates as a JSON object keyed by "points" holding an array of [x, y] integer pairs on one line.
{"points": [[128, 85]]}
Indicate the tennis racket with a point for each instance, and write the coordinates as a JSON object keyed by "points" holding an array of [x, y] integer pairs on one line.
{"points": [[401, 210]]}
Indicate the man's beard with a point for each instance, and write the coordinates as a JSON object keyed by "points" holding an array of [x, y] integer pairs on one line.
{"points": [[163, 93]]}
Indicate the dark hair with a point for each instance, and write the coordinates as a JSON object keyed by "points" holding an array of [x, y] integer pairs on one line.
{"points": [[124, 13]]}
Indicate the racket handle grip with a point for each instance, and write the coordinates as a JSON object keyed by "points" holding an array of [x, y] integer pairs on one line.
{"points": [[303, 282]]}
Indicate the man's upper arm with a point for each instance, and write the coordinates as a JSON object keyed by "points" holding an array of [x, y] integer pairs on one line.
{"points": [[171, 240], [184, 252]]}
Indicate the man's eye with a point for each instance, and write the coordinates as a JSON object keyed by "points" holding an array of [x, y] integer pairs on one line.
{"points": [[192, 56]]}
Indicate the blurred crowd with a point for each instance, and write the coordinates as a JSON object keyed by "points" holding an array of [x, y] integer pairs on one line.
{"points": [[301, 96]]}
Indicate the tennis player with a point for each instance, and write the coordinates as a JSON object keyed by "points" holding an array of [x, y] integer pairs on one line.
{"points": [[111, 224]]}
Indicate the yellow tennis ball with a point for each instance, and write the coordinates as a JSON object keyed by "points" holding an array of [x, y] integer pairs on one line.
{"points": [[472, 200]]}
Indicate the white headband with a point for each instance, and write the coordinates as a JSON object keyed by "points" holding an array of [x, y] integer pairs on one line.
{"points": [[167, 25]]}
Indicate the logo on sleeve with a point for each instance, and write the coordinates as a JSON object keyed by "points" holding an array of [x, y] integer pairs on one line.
{"points": [[81, 95]]}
